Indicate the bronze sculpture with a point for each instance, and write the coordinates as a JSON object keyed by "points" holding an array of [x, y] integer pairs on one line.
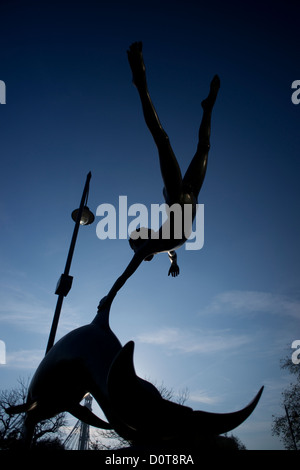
{"points": [[91, 359], [177, 189]]}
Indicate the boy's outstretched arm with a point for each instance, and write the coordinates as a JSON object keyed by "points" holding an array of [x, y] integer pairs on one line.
{"points": [[131, 268]]}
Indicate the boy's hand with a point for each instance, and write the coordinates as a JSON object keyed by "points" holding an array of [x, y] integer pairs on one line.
{"points": [[174, 270]]}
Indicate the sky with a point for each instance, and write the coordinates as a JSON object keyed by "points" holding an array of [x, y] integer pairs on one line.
{"points": [[222, 326]]}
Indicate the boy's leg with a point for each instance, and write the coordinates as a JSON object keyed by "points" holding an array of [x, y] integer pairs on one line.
{"points": [[194, 176], [170, 170]]}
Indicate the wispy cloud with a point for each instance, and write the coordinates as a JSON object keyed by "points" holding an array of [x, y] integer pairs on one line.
{"points": [[24, 359], [240, 302], [27, 311], [194, 341], [201, 396]]}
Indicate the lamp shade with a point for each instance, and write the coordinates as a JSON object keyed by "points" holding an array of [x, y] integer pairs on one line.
{"points": [[87, 217]]}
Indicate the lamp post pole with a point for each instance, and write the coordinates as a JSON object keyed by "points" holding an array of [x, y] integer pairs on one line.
{"points": [[65, 281]]}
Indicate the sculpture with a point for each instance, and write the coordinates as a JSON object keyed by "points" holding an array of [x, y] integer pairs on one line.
{"points": [[91, 359], [177, 189]]}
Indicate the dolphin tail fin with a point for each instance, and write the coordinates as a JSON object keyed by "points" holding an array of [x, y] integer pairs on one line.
{"points": [[138, 405], [220, 423], [14, 410]]}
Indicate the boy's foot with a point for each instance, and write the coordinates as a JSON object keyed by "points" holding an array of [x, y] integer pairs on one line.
{"points": [[213, 92], [136, 62]]}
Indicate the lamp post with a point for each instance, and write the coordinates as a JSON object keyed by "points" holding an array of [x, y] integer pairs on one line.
{"points": [[81, 216]]}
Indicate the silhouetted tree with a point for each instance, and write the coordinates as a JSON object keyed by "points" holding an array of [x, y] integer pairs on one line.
{"points": [[11, 426], [287, 425], [232, 443]]}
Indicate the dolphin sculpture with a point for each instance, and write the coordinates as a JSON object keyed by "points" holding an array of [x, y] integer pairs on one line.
{"points": [[91, 359]]}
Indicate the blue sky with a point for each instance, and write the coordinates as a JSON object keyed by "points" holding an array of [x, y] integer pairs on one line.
{"points": [[222, 326]]}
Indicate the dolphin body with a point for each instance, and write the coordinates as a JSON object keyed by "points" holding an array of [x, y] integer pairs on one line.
{"points": [[91, 359]]}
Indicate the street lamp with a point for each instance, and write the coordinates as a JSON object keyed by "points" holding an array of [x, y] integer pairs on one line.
{"points": [[87, 217], [81, 216]]}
